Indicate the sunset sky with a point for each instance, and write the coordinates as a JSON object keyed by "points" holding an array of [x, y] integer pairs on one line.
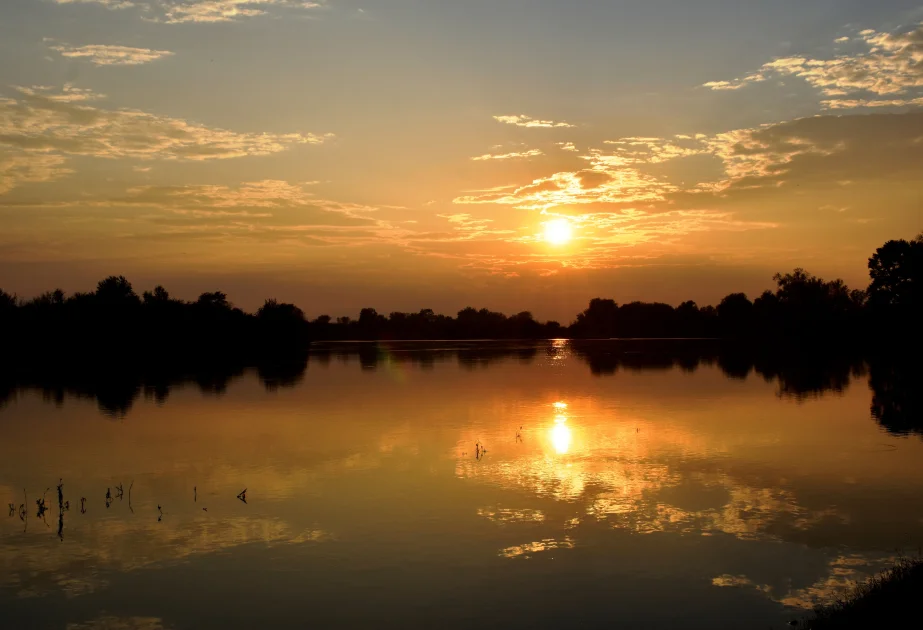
{"points": [[405, 154]]}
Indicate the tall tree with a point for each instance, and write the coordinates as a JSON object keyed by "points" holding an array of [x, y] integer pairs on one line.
{"points": [[896, 271]]}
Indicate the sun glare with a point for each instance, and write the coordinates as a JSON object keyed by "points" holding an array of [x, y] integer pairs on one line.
{"points": [[558, 231], [560, 438]]}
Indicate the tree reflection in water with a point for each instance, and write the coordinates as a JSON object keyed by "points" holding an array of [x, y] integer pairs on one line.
{"points": [[798, 373]]}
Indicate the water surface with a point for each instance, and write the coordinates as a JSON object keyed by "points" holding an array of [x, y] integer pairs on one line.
{"points": [[618, 488]]}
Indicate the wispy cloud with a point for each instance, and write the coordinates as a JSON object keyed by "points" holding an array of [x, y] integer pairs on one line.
{"points": [[267, 194], [21, 167], [464, 227], [734, 85], [41, 119], [200, 11], [855, 103], [211, 11], [214, 10], [108, 4], [567, 146], [613, 176], [109, 55], [592, 186], [891, 67], [261, 210], [508, 156], [527, 121], [631, 173]]}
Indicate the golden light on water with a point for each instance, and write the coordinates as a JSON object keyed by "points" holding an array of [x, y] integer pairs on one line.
{"points": [[561, 437], [560, 433], [558, 231]]}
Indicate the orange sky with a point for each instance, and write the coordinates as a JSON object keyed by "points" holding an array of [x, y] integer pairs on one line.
{"points": [[406, 156]]}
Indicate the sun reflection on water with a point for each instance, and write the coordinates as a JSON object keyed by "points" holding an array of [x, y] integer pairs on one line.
{"points": [[561, 437], [560, 433]]}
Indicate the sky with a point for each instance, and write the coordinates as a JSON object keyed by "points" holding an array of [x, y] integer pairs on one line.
{"points": [[407, 154]]}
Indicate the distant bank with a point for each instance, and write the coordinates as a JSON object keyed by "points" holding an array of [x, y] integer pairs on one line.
{"points": [[116, 323]]}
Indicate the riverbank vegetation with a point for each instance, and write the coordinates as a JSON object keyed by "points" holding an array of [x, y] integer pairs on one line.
{"points": [[888, 600], [115, 321]]}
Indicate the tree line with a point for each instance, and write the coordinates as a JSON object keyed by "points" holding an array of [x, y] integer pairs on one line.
{"points": [[115, 321]]}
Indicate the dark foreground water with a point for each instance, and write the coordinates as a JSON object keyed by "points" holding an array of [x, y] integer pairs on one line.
{"points": [[618, 488]]}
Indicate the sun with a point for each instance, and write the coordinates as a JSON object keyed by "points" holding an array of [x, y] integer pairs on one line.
{"points": [[558, 231]]}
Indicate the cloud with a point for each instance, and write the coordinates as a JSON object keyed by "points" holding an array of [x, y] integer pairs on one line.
{"points": [[657, 192], [891, 66], [527, 121], [635, 171], [107, 55], [857, 103], [464, 227], [575, 188], [508, 156], [214, 10], [610, 178], [653, 150], [260, 210], [752, 154], [464, 220], [267, 194], [567, 146], [40, 119], [200, 11], [108, 4], [23, 167], [734, 85], [821, 148]]}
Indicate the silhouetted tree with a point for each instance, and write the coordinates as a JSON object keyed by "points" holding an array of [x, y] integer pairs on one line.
{"points": [[273, 311], [640, 319], [810, 308], [523, 326], [217, 300], [735, 314], [598, 320], [116, 290], [553, 329], [158, 296], [281, 324], [689, 320], [896, 271], [370, 324], [7, 302]]}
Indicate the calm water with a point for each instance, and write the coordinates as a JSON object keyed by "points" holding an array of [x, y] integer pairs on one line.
{"points": [[661, 492]]}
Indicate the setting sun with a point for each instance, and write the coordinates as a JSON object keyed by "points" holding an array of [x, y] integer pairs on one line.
{"points": [[558, 231]]}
